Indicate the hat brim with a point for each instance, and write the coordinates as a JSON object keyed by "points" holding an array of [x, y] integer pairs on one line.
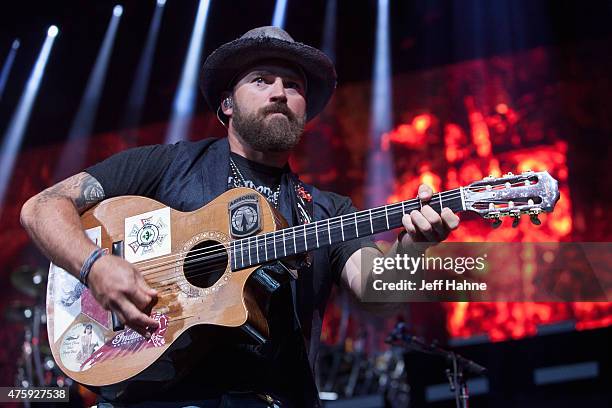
{"points": [[229, 60]]}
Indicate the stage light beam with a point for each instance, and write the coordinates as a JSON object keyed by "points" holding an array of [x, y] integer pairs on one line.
{"points": [[19, 121], [185, 97], [8, 64], [380, 173], [329, 30], [280, 11], [83, 122], [138, 91]]}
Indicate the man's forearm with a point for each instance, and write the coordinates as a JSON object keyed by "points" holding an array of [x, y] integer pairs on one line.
{"points": [[52, 220], [55, 227]]}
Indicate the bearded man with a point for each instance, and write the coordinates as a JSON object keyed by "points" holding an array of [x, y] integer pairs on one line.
{"points": [[264, 86]]}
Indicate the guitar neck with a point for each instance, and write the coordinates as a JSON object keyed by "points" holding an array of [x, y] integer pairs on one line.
{"points": [[290, 241]]}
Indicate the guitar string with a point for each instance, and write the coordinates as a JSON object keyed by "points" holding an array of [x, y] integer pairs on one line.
{"points": [[279, 236], [188, 260], [334, 220], [180, 274], [365, 214], [168, 279], [451, 194], [335, 228], [167, 282], [195, 259]]}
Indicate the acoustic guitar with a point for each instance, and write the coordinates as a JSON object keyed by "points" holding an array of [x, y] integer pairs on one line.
{"points": [[200, 263]]}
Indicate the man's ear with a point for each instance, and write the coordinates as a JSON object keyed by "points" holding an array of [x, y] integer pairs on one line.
{"points": [[227, 104]]}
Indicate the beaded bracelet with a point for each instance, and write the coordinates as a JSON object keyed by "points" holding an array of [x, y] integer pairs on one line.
{"points": [[86, 268]]}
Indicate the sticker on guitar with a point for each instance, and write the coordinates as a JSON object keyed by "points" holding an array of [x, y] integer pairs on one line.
{"points": [[79, 343], [71, 297], [148, 235], [129, 342]]}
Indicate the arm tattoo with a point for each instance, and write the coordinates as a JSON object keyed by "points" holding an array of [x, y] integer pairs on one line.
{"points": [[84, 191], [91, 193]]}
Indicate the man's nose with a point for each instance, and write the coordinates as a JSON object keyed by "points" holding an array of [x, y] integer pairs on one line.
{"points": [[277, 91]]}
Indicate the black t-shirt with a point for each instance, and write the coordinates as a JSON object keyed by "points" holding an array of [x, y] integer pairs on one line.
{"points": [[168, 173], [261, 178]]}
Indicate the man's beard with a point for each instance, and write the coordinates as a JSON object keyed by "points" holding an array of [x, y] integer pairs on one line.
{"points": [[276, 134]]}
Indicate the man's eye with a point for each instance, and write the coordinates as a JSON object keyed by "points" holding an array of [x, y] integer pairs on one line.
{"points": [[259, 80], [293, 85]]}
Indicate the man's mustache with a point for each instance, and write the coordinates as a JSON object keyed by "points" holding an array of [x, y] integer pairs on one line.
{"points": [[278, 108]]}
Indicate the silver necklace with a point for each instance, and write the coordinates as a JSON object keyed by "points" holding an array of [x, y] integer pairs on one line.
{"points": [[240, 181]]}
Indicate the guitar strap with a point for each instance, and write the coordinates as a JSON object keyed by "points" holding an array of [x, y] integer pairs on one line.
{"points": [[301, 202]]}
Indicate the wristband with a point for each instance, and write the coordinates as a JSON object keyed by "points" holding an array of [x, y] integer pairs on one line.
{"points": [[86, 268]]}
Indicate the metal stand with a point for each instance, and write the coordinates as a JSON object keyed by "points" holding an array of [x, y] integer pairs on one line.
{"points": [[459, 365], [457, 383]]}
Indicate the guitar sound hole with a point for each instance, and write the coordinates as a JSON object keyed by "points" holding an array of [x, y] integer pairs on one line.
{"points": [[205, 264]]}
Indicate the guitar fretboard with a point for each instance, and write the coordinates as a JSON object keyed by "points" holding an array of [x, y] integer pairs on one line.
{"points": [[290, 241]]}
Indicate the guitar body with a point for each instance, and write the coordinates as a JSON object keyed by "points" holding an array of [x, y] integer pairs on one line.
{"points": [[201, 263], [157, 239]]}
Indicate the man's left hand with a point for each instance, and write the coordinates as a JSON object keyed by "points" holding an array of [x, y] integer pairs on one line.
{"points": [[427, 225]]}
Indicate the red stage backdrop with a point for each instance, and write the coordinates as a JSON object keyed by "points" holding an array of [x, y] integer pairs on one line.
{"points": [[539, 109]]}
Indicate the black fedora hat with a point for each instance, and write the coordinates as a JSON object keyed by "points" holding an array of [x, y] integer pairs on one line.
{"points": [[229, 60]]}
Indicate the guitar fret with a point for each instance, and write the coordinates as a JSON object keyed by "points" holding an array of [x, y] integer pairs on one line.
{"points": [[284, 244], [249, 248], [440, 198], [266, 245], [387, 216], [371, 226], [257, 247], [328, 231], [274, 235], [235, 256], [294, 244], [342, 228], [462, 198], [317, 233], [356, 230], [241, 255]]}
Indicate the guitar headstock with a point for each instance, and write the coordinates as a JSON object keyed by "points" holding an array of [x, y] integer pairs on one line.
{"points": [[512, 195]]}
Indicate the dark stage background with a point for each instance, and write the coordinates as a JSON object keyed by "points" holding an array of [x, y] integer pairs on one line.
{"points": [[478, 88]]}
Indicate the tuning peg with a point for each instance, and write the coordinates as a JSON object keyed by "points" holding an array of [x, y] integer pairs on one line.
{"points": [[496, 222], [533, 216], [509, 174]]}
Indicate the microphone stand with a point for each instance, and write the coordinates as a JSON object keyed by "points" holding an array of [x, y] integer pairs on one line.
{"points": [[460, 366]]}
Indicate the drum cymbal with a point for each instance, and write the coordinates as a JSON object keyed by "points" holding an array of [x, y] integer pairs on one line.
{"points": [[30, 281]]}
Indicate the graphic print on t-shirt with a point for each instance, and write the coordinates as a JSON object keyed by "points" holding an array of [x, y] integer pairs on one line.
{"points": [[261, 178], [270, 194]]}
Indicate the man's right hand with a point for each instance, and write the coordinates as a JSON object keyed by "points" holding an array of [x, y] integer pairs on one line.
{"points": [[119, 287], [114, 282]]}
